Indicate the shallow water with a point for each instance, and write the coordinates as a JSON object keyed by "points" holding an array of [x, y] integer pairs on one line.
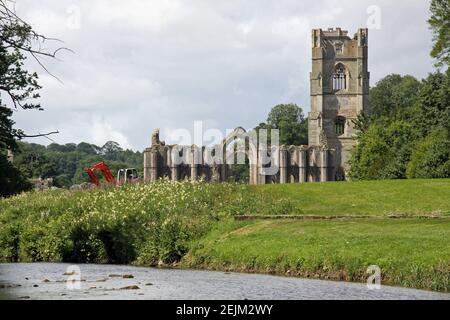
{"points": [[29, 281]]}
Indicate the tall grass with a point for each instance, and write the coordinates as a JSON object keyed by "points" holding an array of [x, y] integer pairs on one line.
{"points": [[143, 223]]}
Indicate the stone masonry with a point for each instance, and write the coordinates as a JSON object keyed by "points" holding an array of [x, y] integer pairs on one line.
{"points": [[283, 164], [339, 90]]}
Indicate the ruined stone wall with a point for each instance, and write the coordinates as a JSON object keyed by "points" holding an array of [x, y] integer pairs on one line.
{"points": [[287, 164]]}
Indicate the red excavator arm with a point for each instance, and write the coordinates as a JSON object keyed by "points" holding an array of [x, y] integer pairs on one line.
{"points": [[105, 170]]}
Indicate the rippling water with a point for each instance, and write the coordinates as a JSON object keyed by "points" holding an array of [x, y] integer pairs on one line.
{"points": [[46, 281]]}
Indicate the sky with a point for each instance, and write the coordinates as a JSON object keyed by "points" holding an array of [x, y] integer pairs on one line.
{"points": [[138, 65]]}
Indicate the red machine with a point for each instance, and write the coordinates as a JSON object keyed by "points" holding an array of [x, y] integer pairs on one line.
{"points": [[128, 175], [106, 173]]}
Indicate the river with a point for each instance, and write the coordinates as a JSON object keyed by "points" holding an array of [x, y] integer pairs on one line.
{"points": [[47, 281]]}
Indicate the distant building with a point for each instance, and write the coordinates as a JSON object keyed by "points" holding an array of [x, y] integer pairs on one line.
{"points": [[10, 156], [42, 184], [339, 90]]}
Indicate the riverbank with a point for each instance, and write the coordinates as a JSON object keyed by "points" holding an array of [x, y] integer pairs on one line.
{"points": [[47, 281], [412, 253], [193, 225]]}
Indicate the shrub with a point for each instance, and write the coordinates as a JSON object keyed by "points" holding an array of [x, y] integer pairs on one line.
{"points": [[383, 152]]}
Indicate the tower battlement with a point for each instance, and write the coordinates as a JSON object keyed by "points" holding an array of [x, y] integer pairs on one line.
{"points": [[319, 36], [335, 32]]}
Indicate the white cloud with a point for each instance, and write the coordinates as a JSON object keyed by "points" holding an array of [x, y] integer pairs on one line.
{"points": [[144, 64], [103, 132], [150, 15]]}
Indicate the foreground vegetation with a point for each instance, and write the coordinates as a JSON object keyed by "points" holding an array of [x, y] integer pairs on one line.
{"points": [[144, 224], [192, 224]]}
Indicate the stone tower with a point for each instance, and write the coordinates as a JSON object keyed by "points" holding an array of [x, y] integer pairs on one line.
{"points": [[339, 91]]}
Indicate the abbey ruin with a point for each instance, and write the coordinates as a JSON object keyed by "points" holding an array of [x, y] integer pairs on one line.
{"points": [[339, 83]]}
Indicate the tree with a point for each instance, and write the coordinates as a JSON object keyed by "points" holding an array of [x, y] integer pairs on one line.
{"points": [[12, 180], [17, 39], [110, 150], [433, 105], [7, 133], [431, 156], [382, 151], [291, 122], [400, 140], [440, 26], [88, 148], [54, 147], [393, 96]]}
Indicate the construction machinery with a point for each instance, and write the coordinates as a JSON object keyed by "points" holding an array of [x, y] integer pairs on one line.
{"points": [[128, 175]]}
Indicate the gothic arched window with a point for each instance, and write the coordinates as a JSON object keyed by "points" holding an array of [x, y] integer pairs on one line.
{"points": [[339, 126], [339, 78]]}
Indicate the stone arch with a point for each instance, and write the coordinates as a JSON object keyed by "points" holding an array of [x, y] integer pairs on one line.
{"points": [[246, 156]]}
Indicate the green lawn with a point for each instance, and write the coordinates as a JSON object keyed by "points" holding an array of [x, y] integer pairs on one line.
{"points": [[410, 253], [366, 197]]}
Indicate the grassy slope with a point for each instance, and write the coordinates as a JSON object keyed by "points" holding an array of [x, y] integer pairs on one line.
{"points": [[366, 197], [411, 253]]}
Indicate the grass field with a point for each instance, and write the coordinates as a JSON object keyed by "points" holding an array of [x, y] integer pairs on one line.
{"points": [[366, 197], [410, 253]]}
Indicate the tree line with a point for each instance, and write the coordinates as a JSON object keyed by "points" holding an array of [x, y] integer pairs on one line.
{"points": [[66, 163], [407, 134]]}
